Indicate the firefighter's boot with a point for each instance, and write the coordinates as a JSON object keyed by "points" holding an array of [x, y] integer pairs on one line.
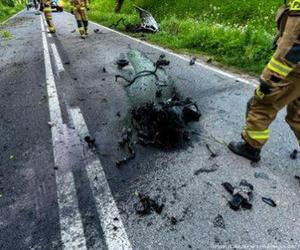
{"points": [[243, 149], [51, 29], [85, 25]]}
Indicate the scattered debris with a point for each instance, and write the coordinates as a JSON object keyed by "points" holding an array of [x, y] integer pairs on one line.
{"points": [[294, 154], [212, 154], [91, 142], [261, 175], [97, 31], [118, 114], [207, 170], [104, 70], [163, 125], [269, 201], [148, 23], [126, 141], [173, 220], [145, 205], [241, 195], [219, 221], [73, 31], [193, 61]]}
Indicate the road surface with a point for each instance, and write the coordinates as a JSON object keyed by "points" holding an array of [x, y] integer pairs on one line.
{"points": [[56, 193]]}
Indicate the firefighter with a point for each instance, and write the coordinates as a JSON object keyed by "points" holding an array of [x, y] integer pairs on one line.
{"points": [[279, 87], [119, 4], [79, 10], [45, 6]]}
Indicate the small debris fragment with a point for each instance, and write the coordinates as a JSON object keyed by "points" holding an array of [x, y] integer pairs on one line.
{"points": [[212, 154], [173, 220], [261, 175], [144, 205], [67, 63], [219, 222], [269, 201], [118, 114], [97, 31], [241, 195], [12, 157], [297, 177], [51, 124], [207, 170], [73, 31], [294, 154], [91, 142], [193, 61], [115, 228], [104, 70]]}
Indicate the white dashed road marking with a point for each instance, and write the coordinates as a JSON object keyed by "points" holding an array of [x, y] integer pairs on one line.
{"points": [[112, 226], [58, 62], [72, 234]]}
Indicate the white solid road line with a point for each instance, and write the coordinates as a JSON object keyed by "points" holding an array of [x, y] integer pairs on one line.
{"points": [[72, 234], [58, 62], [112, 226]]}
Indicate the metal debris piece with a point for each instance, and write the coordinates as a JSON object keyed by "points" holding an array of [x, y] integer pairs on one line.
{"points": [[269, 201], [148, 23], [145, 205], [294, 154], [193, 61], [241, 195], [164, 125]]}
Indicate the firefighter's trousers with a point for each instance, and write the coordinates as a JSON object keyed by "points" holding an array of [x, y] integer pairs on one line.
{"points": [[48, 16], [279, 88], [80, 14]]}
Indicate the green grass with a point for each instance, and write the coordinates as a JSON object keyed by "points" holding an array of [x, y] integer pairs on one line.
{"points": [[237, 33], [8, 11], [5, 34]]}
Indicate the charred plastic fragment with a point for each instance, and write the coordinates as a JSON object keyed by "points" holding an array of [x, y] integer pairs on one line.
{"points": [[164, 124], [241, 195], [145, 205]]}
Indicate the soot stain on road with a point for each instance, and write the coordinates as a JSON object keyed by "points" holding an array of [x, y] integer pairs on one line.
{"points": [[159, 116]]}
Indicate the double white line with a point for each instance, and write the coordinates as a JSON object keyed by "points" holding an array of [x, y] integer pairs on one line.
{"points": [[72, 233]]}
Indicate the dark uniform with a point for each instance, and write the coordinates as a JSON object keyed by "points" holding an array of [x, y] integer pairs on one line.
{"points": [[279, 86]]}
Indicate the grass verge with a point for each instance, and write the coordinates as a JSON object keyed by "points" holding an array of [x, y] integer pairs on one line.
{"points": [[237, 33]]}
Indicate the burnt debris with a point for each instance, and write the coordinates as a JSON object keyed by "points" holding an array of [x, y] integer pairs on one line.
{"points": [[144, 205], [164, 124], [241, 195]]}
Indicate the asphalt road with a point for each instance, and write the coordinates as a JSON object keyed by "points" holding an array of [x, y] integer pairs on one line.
{"points": [[56, 193]]}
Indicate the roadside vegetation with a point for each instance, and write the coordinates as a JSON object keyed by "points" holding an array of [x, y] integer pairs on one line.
{"points": [[237, 33], [9, 8]]}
